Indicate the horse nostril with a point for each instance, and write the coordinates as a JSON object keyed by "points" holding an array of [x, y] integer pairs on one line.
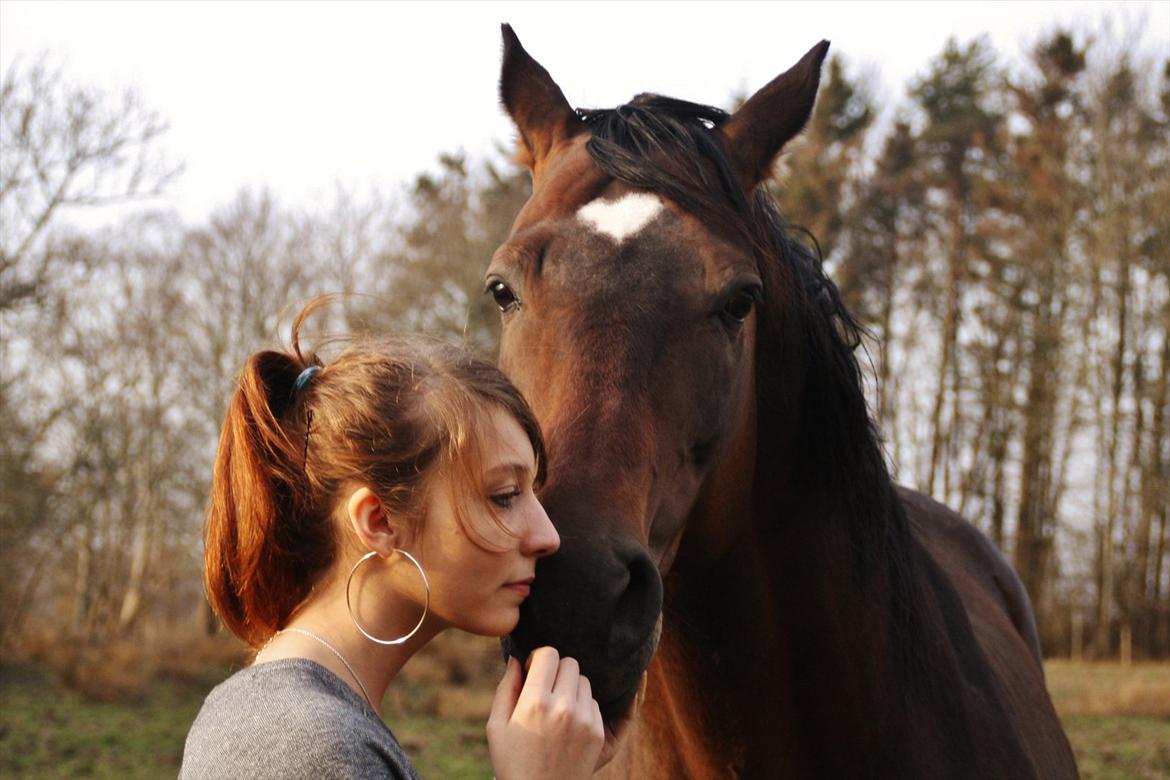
{"points": [[637, 608]]}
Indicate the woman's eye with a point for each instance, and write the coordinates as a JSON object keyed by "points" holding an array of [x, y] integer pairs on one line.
{"points": [[503, 295], [504, 500]]}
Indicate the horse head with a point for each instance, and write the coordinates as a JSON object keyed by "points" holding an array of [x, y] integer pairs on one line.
{"points": [[634, 289]]}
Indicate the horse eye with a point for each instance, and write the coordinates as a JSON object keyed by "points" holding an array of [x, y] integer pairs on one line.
{"points": [[740, 305], [505, 298]]}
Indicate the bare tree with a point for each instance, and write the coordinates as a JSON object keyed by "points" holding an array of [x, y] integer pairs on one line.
{"points": [[65, 145]]}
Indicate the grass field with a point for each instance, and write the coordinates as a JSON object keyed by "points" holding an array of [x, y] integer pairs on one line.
{"points": [[1118, 720], [1120, 747], [1116, 717], [47, 731]]}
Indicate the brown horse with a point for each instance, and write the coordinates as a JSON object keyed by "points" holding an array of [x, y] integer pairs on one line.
{"points": [[731, 537]]}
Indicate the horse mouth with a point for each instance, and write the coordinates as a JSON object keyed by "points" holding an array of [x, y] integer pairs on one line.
{"points": [[617, 727], [617, 710], [617, 713]]}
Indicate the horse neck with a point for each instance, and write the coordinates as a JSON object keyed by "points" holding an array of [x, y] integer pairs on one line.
{"points": [[822, 641], [714, 696], [837, 609], [778, 651], [834, 532], [765, 642], [876, 681]]}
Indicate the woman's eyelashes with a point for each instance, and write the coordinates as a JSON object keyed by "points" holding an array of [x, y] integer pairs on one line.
{"points": [[505, 498]]}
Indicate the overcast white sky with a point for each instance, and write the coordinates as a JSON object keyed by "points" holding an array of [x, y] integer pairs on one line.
{"points": [[298, 96]]}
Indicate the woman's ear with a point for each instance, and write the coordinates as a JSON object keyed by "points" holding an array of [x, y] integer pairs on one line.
{"points": [[371, 524]]}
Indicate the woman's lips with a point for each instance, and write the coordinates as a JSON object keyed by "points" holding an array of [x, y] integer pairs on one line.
{"points": [[523, 587]]}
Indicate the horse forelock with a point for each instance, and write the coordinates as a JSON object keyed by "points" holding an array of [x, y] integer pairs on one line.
{"points": [[666, 146]]}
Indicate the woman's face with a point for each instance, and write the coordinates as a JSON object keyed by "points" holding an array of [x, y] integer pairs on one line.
{"points": [[478, 584]]}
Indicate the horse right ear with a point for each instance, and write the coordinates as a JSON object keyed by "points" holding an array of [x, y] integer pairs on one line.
{"points": [[756, 133], [536, 104]]}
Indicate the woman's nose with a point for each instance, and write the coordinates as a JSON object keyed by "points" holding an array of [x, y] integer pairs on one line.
{"points": [[542, 538]]}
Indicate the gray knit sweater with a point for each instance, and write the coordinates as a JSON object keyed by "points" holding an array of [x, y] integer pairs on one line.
{"points": [[291, 718]]}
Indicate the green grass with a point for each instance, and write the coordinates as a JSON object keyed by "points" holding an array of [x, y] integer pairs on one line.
{"points": [[48, 731], [449, 749], [1117, 747], [1116, 717]]}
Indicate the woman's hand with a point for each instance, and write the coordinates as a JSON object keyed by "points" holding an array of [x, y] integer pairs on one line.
{"points": [[546, 726]]}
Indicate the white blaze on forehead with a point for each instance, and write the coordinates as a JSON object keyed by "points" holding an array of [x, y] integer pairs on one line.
{"points": [[619, 219]]}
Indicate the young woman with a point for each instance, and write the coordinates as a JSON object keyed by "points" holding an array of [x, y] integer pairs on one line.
{"points": [[358, 509]]}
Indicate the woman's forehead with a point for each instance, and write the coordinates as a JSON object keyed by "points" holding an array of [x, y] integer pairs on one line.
{"points": [[505, 446]]}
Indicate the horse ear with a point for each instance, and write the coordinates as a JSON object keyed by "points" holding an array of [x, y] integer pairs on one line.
{"points": [[757, 132], [536, 104]]}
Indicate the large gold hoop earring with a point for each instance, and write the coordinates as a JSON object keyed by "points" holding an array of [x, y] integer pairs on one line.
{"points": [[426, 607]]}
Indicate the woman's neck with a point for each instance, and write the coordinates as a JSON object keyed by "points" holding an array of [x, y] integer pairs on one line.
{"points": [[326, 620]]}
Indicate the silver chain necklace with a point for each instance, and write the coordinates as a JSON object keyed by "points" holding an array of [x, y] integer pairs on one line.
{"points": [[332, 649]]}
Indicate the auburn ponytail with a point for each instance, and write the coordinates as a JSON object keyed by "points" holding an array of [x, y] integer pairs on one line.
{"points": [[263, 545]]}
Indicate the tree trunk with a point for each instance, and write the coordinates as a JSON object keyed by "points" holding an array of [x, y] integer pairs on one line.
{"points": [[11, 628], [1105, 593], [82, 586], [1160, 641], [1033, 530], [1136, 585], [132, 598], [1155, 499], [939, 435]]}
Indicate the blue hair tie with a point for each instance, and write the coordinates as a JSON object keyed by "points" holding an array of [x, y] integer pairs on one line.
{"points": [[304, 377]]}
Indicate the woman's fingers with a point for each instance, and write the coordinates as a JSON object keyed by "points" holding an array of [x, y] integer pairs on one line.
{"points": [[597, 721], [584, 690], [568, 675], [589, 709], [547, 725], [554, 687], [507, 692], [543, 663]]}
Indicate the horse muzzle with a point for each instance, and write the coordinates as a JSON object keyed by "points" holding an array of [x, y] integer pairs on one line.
{"points": [[599, 604]]}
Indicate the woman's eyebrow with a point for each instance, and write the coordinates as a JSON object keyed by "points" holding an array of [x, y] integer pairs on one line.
{"points": [[517, 469]]}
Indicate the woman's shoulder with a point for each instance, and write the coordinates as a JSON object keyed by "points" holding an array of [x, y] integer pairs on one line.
{"points": [[290, 718]]}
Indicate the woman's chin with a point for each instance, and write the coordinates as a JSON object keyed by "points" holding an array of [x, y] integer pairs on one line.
{"points": [[497, 628]]}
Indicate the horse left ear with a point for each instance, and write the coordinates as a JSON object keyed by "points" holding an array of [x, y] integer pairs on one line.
{"points": [[756, 133], [536, 104]]}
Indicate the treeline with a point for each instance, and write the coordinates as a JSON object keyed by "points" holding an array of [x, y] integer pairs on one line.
{"points": [[1004, 237], [1007, 243]]}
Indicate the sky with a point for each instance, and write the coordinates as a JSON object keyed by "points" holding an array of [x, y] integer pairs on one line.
{"points": [[299, 97]]}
